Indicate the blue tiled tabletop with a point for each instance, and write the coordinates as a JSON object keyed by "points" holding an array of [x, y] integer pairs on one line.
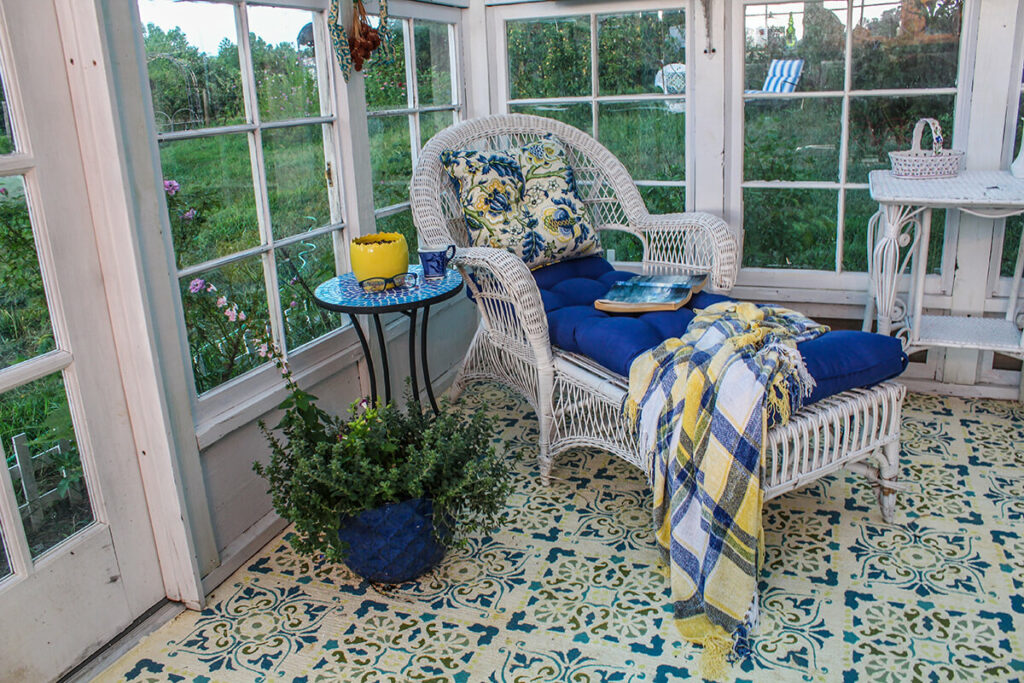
{"points": [[344, 294]]}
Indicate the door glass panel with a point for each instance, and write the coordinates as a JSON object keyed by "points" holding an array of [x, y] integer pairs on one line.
{"points": [[648, 137], [226, 319], [296, 186], [642, 53], [25, 329], [39, 443], [549, 57], [192, 57], [301, 266], [8, 141], [284, 63], [210, 201], [391, 159], [908, 44], [792, 139], [433, 63], [795, 46], [5, 564], [385, 83]]}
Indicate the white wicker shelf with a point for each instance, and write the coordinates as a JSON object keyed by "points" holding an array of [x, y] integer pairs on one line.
{"points": [[903, 222], [989, 334]]}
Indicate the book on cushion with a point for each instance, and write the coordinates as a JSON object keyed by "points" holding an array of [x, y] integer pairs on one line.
{"points": [[651, 293]]}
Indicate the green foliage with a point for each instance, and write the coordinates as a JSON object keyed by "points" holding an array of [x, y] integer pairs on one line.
{"points": [[325, 468]]}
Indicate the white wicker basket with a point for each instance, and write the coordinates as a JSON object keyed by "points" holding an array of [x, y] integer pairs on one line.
{"points": [[915, 163]]}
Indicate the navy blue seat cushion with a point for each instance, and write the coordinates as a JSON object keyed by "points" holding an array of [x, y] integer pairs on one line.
{"points": [[837, 360]]}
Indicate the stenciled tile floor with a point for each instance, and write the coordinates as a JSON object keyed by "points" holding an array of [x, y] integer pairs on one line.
{"points": [[569, 588]]}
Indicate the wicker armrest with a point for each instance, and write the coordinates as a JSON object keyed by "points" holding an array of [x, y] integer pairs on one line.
{"points": [[507, 296], [691, 241]]}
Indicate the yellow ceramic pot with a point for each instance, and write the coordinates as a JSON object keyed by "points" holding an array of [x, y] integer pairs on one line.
{"points": [[384, 254]]}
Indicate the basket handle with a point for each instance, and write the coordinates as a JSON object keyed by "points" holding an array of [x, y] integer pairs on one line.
{"points": [[936, 135]]}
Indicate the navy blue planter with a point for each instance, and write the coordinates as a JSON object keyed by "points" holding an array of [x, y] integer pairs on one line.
{"points": [[393, 543]]}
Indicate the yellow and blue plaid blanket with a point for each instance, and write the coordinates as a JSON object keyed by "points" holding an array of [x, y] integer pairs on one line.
{"points": [[700, 406]]}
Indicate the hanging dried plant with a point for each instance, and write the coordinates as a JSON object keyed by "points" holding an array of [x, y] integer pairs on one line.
{"points": [[364, 38]]}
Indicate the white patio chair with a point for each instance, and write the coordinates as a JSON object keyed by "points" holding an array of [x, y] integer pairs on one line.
{"points": [[578, 402], [671, 78]]}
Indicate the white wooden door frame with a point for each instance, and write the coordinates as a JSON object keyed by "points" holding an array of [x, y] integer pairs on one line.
{"points": [[161, 456]]}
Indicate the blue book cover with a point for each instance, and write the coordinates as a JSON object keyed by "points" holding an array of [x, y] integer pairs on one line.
{"points": [[651, 293]]}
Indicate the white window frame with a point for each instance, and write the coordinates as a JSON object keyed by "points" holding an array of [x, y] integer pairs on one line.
{"points": [[501, 98], [235, 402], [409, 13], [836, 279]]}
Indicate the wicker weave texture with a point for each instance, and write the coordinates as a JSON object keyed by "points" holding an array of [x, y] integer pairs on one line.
{"points": [[579, 403]]}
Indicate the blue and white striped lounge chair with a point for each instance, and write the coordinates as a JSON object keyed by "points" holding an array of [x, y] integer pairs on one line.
{"points": [[783, 75]]}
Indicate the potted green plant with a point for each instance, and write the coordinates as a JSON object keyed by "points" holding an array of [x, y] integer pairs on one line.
{"points": [[385, 490]]}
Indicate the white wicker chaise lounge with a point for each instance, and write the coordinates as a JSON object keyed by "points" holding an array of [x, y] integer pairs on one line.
{"points": [[578, 402]]}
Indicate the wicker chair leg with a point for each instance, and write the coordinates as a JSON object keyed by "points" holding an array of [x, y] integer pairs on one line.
{"points": [[888, 474], [546, 422]]}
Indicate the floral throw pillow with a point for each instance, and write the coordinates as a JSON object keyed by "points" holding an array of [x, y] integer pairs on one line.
{"points": [[523, 200]]}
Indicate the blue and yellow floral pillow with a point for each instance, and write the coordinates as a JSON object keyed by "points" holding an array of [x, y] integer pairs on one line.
{"points": [[523, 200]]}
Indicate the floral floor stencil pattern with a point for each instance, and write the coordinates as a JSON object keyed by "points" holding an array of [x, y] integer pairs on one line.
{"points": [[570, 588]]}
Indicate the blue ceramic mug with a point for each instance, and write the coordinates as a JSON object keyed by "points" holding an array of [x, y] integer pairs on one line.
{"points": [[435, 261]]}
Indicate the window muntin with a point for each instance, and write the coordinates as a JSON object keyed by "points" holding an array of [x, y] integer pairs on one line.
{"points": [[857, 98], [408, 101], [251, 192], [608, 74]]}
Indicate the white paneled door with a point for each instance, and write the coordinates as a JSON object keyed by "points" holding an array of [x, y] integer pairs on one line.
{"points": [[78, 561]]}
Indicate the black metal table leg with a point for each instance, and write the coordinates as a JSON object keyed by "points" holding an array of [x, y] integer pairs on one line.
{"points": [[383, 357], [423, 357], [412, 355], [366, 354]]}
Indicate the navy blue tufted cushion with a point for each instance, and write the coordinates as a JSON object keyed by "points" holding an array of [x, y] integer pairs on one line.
{"points": [[838, 360]]}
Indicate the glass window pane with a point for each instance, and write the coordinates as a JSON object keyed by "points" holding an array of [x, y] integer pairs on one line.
{"points": [[1011, 242], [38, 439], [648, 137], [25, 329], [391, 159], [433, 122], [789, 228], [633, 48], [385, 83], [795, 46], [577, 115], [226, 320], [296, 186], [663, 199], [906, 44], [859, 210], [433, 63], [401, 223], [549, 57], [301, 266], [792, 139], [284, 63], [192, 56], [879, 125], [209, 189]]}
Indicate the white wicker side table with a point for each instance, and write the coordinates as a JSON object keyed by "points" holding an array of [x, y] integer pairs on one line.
{"points": [[904, 221]]}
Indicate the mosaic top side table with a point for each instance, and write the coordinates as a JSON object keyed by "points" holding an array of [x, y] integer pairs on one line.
{"points": [[344, 295]]}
